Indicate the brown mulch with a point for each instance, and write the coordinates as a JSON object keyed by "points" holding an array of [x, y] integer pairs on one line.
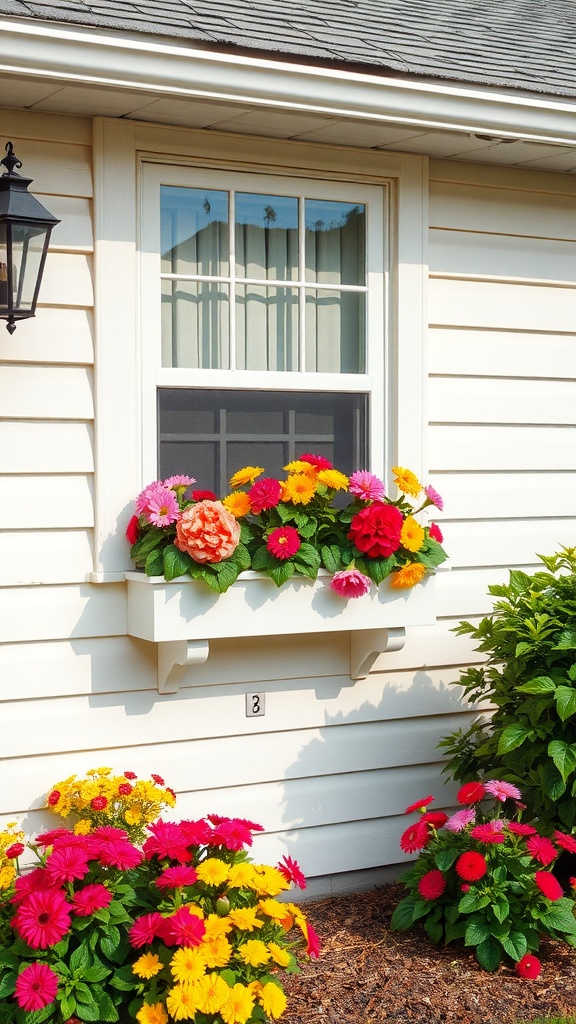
{"points": [[367, 974]]}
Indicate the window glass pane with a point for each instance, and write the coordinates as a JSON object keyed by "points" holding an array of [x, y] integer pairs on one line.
{"points": [[266, 328], [335, 242], [335, 332], [212, 434], [266, 237], [195, 324], [194, 231]]}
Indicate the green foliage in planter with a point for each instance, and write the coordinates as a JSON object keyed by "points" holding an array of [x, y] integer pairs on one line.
{"points": [[530, 678]]}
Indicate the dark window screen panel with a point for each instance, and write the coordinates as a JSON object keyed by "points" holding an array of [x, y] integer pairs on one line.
{"points": [[211, 434]]}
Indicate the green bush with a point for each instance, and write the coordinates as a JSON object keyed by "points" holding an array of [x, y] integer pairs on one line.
{"points": [[530, 678]]}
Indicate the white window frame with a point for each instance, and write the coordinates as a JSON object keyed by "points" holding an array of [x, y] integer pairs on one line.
{"points": [[122, 150], [371, 383]]}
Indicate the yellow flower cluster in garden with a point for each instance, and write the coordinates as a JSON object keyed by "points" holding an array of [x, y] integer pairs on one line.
{"points": [[101, 798], [11, 846]]}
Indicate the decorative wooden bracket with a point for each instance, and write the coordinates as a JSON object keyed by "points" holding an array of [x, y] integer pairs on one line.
{"points": [[367, 644], [174, 657]]}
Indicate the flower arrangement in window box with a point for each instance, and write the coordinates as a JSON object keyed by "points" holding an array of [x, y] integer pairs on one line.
{"points": [[182, 927], [289, 527], [483, 876]]}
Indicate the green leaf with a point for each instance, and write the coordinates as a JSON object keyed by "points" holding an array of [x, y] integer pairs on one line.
{"points": [[559, 919], [241, 557], [472, 901], [512, 737], [551, 781], [263, 560], [488, 954], [563, 756], [176, 563], [434, 930], [515, 945], [7, 983], [565, 698], [67, 1006], [567, 640], [154, 564], [110, 943], [444, 859], [501, 910], [330, 556], [80, 958], [88, 1012], [540, 684], [307, 555], [153, 538], [281, 573], [403, 915], [226, 572], [96, 973], [477, 931], [379, 568]]}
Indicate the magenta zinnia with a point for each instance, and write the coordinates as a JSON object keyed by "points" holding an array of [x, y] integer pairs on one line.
{"points": [[471, 866], [366, 486], [91, 898], [291, 872], [145, 929], [187, 928], [350, 583], [490, 832], [283, 542], [177, 877], [43, 918], [36, 987], [432, 885], [265, 493], [67, 863], [541, 849]]}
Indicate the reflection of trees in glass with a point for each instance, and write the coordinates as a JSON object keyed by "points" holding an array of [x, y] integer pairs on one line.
{"points": [[269, 215], [206, 206]]}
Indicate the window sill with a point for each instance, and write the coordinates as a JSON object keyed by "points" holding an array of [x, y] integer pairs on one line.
{"points": [[184, 615]]}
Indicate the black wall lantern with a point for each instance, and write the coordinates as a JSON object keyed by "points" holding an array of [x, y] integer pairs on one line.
{"points": [[25, 229]]}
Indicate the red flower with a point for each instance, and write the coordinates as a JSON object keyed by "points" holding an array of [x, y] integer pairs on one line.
{"points": [[177, 877], [124, 789], [196, 833], [291, 872], [187, 929], [90, 899], [233, 834], [132, 530], [529, 966], [43, 918], [490, 832], [434, 818], [312, 942], [36, 987], [53, 797], [470, 793], [16, 850], [130, 775], [549, 886], [519, 829], [99, 803], [563, 840], [145, 929], [419, 805], [541, 849], [471, 866], [167, 840], [265, 493], [375, 530], [283, 542], [157, 779], [316, 460], [432, 885], [415, 838], [200, 496], [436, 533]]}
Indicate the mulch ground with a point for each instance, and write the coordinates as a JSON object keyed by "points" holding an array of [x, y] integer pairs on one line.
{"points": [[367, 974]]}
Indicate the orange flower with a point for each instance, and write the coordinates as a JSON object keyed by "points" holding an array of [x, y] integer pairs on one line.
{"points": [[246, 476], [207, 532], [407, 576], [407, 481], [299, 489], [238, 504]]}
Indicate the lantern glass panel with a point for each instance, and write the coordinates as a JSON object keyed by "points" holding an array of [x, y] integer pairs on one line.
{"points": [[3, 269], [27, 250]]}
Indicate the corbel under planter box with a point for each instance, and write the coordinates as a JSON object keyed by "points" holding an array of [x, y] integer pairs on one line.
{"points": [[184, 615]]}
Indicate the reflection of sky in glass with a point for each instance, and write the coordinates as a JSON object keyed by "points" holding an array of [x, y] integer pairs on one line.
{"points": [[325, 214], [186, 211], [267, 211]]}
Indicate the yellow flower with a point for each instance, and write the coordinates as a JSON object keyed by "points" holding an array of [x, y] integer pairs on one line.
{"points": [[82, 827], [254, 953], [411, 534], [7, 876], [217, 926], [188, 965], [407, 481], [133, 816], [301, 467], [147, 965], [273, 909], [216, 951], [407, 576], [245, 919], [238, 1007], [268, 881], [238, 504], [299, 489], [280, 956], [240, 876], [214, 993], [152, 1013], [183, 1001], [246, 476], [333, 478], [212, 871], [273, 1000]]}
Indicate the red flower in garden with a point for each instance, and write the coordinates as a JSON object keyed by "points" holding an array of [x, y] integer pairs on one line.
{"points": [[132, 530], [99, 803], [66, 863], [565, 841], [529, 966], [415, 838], [233, 834], [432, 885], [157, 779], [490, 832], [434, 818], [36, 987], [90, 899], [549, 885], [291, 872], [265, 493], [419, 805], [130, 775], [470, 793], [167, 840], [375, 530], [43, 918], [53, 797], [196, 833], [318, 461], [283, 542], [16, 850], [177, 877], [145, 929], [541, 849], [124, 789], [519, 829], [471, 866], [187, 929], [436, 533], [199, 496]]}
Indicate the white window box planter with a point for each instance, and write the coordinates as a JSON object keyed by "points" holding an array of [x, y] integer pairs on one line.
{"points": [[184, 615]]}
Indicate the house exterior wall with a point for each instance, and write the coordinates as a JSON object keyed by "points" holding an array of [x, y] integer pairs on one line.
{"points": [[333, 763]]}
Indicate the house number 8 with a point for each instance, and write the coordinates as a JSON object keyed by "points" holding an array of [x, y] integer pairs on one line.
{"points": [[255, 705]]}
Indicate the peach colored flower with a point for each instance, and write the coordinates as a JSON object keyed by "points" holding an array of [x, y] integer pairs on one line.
{"points": [[207, 532]]}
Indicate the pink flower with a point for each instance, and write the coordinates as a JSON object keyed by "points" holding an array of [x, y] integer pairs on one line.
{"points": [[375, 530], [48, 838], [33, 881], [186, 927], [43, 918], [491, 832], [366, 486], [318, 461], [502, 790], [283, 542], [167, 840], [158, 504], [541, 849], [207, 532], [529, 966], [458, 821], [549, 885], [177, 877], [91, 898], [36, 987], [233, 834], [312, 942], [350, 583], [145, 929], [66, 863], [264, 494], [433, 497], [565, 841], [195, 833], [291, 872], [432, 885], [179, 481], [436, 533], [116, 852]]}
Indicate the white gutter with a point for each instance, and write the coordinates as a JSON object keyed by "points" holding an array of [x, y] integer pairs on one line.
{"points": [[74, 55]]}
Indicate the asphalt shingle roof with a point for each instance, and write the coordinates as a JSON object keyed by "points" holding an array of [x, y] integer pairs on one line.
{"points": [[521, 44]]}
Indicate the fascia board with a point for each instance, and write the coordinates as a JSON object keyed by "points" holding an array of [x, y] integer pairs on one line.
{"points": [[109, 60]]}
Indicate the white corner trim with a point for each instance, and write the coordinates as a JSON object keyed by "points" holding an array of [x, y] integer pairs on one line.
{"points": [[78, 55]]}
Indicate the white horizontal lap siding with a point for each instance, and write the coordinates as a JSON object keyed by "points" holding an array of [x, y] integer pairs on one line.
{"points": [[502, 365]]}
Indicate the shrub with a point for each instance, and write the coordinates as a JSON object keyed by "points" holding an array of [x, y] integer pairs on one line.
{"points": [[530, 678]]}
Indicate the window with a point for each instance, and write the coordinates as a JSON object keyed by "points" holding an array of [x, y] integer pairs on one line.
{"points": [[263, 311]]}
